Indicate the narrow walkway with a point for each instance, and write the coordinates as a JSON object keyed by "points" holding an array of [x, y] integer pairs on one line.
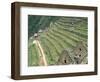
{"points": [[42, 54]]}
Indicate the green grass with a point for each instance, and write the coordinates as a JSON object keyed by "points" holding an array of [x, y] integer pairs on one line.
{"points": [[33, 57], [71, 33], [49, 57], [52, 57], [62, 34]]}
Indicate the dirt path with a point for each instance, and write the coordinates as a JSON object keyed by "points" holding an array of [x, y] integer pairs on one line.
{"points": [[41, 55]]}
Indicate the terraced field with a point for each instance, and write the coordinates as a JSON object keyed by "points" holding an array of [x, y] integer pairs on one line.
{"points": [[58, 34]]}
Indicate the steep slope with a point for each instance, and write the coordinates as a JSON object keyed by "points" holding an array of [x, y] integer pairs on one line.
{"points": [[58, 34]]}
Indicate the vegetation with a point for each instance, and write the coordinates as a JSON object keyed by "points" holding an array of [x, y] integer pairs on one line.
{"points": [[58, 33]]}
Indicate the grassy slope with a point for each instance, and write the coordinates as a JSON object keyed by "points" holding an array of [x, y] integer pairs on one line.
{"points": [[60, 36]]}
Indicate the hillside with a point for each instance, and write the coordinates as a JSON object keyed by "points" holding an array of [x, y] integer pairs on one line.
{"points": [[55, 35]]}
